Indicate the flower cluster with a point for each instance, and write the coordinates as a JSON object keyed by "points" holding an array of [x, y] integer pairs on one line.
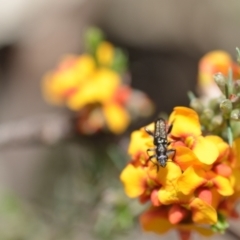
{"points": [[197, 189], [215, 62], [219, 103], [92, 85]]}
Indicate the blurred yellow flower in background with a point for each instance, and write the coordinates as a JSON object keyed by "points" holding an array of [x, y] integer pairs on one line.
{"points": [[194, 187], [214, 62], [92, 85]]}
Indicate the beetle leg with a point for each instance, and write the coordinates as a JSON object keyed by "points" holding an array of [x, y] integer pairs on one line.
{"points": [[149, 132], [156, 164], [170, 127], [171, 152], [150, 150]]}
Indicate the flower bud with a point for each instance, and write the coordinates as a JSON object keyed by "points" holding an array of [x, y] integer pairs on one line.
{"points": [[226, 107], [221, 81], [206, 116], [235, 115], [236, 86], [196, 105], [217, 122], [234, 98]]}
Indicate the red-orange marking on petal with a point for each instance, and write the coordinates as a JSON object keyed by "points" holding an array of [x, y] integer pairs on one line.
{"points": [[223, 170], [154, 198], [176, 214], [205, 194]]}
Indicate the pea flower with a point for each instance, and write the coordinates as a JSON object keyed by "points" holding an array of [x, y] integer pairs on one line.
{"points": [[92, 85], [195, 189], [217, 61]]}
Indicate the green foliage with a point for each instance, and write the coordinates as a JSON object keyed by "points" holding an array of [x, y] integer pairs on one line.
{"points": [[120, 61], [94, 36], [221, 225]]}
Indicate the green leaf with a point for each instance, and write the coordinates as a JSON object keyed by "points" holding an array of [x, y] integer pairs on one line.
{"points": [[120, 61], [221, 225], [94, 36]]}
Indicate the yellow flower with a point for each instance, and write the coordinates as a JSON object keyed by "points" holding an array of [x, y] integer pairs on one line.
{"points": [[65, 81], [105, 54], [97, 92], [214, 62], [99, 89], [91, 85], [194, 185], [102, 90]]}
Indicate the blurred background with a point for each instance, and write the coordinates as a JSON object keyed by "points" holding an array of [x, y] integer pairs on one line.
{"points": [[61, 191]]}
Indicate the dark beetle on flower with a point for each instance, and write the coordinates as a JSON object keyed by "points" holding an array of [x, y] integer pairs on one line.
{"points": [[161, 143]]}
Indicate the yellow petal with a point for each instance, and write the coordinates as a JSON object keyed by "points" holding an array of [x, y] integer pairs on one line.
{"points": [[223, 147], [202, 212], [169, 174], [117, 118], [134, 180], [185, 122], [190, 180], [105, 53], [169, 192], [223, 185], [100, 88], [205, 150], [85, 66], [185, 158], [139, 142], [71, 72]]}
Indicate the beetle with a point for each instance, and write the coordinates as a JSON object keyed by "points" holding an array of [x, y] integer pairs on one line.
{"points": [[161, 143]]}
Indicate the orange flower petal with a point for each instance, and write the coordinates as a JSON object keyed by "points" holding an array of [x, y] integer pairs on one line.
{"points": [[155, 220], [176, 214], [193, 227], [154, 198], [223, 170], [202, 212], [205, 150], [134, 180], [205, 194], [213, 62], [185, 122], [191, 179], [185, 158], [236, 147]]}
